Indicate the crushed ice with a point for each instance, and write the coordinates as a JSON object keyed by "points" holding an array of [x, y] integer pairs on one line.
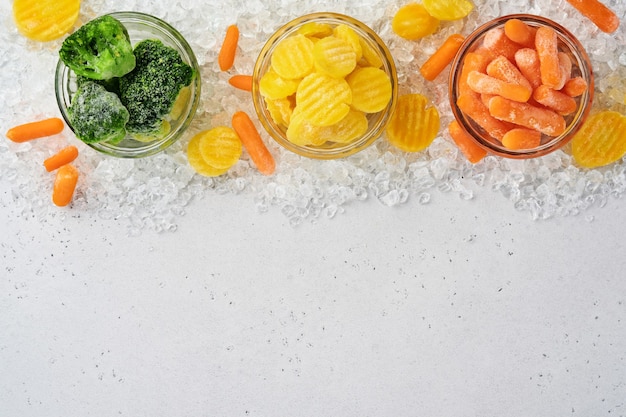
{"points": [[152, 193]]}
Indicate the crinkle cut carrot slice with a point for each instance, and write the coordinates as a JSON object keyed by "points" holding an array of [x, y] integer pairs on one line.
{"points": [[414, 123], [448, 9], [601, 140], [45, 20]]}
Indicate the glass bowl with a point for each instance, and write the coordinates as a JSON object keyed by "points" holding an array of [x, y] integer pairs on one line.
{"points": [[376, 121], [140, 26], [581, 66]]}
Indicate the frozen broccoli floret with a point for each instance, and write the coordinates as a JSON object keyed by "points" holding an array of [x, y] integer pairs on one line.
{"points": [[151, 89], [100, 49], [97, 115], [111, 84]]}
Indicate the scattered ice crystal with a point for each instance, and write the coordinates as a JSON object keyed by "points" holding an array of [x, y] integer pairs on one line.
{"points": [[152, 193]]}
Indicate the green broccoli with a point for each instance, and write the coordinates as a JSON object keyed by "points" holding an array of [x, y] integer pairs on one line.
{"points": [[111, 84], [97, 115], [151, 89], [100, 49]]}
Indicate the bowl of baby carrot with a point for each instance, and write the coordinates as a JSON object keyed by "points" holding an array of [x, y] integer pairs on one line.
{"points": [[324, 86], [520, 86]]}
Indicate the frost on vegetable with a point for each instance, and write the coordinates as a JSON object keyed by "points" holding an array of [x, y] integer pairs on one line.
{"points": [[111, 84], [97, 115], [100, 49], [151, 89]]}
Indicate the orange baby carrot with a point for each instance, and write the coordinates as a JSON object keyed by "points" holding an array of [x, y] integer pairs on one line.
{"points": [[35, 130], [485, 98], [574, 87], [436, 63], [497, 43], [555, 100], [472, 62], [519, 32], [242, 82], [565, 66], [226, 56], [253, 143], [472, 151], [63, 157], [64, 185], [521, 138], [546, 42], [486, 84], [528, 63], [505, 70], [544, 120], [481, 50], [598, 13], [473, 107]]}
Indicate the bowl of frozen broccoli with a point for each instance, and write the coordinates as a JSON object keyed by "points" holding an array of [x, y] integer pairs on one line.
{"points": [[127, 84]]}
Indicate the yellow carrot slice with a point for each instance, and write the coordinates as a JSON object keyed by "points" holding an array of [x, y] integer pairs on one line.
{"points": [[601, 140], [198, 163], [414, 123], [412, 21], [45, 20]]}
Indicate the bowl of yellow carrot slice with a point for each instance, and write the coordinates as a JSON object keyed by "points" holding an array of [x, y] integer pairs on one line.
{"points": [[520, 87], [324, 86]]}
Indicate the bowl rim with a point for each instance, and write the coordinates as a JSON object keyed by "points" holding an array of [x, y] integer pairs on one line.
{"points": [[585, 100], [374, 132], [63, 96]]}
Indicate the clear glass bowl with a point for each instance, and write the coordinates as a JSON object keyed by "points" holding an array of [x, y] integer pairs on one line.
{"points": [[581, 66], [140, 26], [376, 121]]}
